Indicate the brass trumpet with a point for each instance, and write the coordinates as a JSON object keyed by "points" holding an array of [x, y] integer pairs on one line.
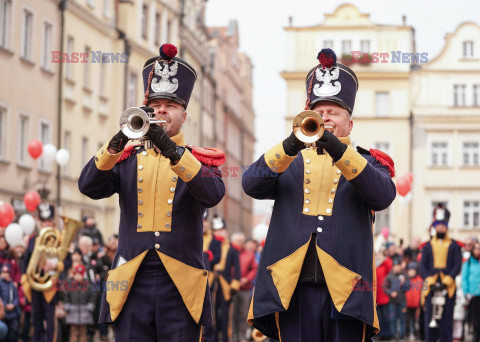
{"points": [[135, 123], [308, 127], [50, 244], [257, 336]]}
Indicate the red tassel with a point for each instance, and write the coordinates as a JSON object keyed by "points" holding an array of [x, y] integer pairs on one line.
{"points": [[209, 156], [384, 159], [210, 255], [127, 152]]}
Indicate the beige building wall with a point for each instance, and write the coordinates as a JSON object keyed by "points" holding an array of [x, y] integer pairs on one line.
{"points": [[447, 126], [382, 107], [28, 97]]}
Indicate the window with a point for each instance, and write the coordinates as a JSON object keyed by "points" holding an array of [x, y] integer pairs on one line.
{"points": [[470, 153], [382, 219], [328, 44], [467, 49], [365, 46], [86, 76], [3, 133], [102, 77], [5, 13], [346, 47], [91, 3], [383, 146], [382, 103], [84, 151], [47, 44], [45, 139], [132, 90], [169, 30], [471, 213], [22, 139], [68, 66], [106, 8], [144, 20], [439, 153], [67, 140], [157, 28], [476, 95], [459, 95], [27, 34]]}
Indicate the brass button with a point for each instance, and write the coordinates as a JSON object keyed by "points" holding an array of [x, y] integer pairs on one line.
{"points": [[140, 179], [189, 175], [307, 171], [169, 201], [269, 270], [174, 179], [157, 233], [102, 151], [320, 217], [157, 246], [347, 162], [330, 201], [140, 214], [144, 153], [307, 191], [307, 201], [205, 273], [328, 211], [306, 210], [172, 189], [358, 277], [335, 181], [271, 162], [167, 225], [169, 213], [354, 170], [182, 168], [140, 167], [139, 189], [140, 202], [307, 161], [319, 229], [339, 172], [277, 155], [307, 181], [139, 226], [332, 191]]}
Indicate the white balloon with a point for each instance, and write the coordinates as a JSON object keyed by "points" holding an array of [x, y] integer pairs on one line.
{"points": [[260, 232], [14, 234], [48, 153], [27, 222], [62, 157]]}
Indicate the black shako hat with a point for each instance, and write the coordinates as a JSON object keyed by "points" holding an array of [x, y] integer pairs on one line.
{"points": [[168, 77], [46, 212], [331, 81]]}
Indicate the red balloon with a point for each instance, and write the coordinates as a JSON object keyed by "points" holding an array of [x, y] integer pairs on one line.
{"points": [[7, 214], [31, 200], [403, 186], [35, 148], [409, 176]]}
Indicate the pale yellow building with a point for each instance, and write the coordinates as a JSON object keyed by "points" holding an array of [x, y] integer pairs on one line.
{"points": [[445, 95], [382, 107]]}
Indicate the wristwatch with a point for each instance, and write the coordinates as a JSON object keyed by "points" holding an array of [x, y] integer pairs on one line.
{"points": [[177, 154]]}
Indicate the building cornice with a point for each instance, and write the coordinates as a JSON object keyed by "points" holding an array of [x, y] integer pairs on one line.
{"points": [[322, 27], [93, 20]]}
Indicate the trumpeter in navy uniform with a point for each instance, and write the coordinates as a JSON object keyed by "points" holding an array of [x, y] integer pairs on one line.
{"points": [[227, 279], [157, 289], [319, 247], [43, 303], [441, 262]]}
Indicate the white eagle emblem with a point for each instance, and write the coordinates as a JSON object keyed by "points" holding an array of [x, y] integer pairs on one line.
{"points": [[164, 85], [327, 76]]}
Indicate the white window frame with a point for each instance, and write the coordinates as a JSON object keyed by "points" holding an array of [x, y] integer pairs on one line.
{"points": [[86, 69], [103, 79], [468, 49], [346, 43], [5, 23], [26, 139], [447, 150], [69, 66], [48, 140], [5, 112], [471, 210], [84, 152], [379, 112], [328, 44], [106, 8], [459, 95], [471, 152], [144, 21], [26, 49], [47, 46], [67, 142], [91, 3], [379, 145], [476, 95], [157, 27], [132, 89], [364, 42]]}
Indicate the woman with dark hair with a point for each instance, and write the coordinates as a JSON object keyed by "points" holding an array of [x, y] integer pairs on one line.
{"points": [[471, 288]]}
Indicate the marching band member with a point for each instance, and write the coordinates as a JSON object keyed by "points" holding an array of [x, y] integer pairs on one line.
{"points": [[319, 247], [157, 288]]}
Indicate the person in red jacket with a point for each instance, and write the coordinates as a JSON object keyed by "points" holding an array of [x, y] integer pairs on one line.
{"points": [[412, 295], [248, 268], [383, 267]]}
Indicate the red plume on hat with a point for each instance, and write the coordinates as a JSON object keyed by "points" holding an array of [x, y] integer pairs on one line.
{"points": [[327, 58], [168, 51]]}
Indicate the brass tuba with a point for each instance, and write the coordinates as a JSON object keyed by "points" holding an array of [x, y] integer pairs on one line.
{"points": [[50, 244], [257, 336]]}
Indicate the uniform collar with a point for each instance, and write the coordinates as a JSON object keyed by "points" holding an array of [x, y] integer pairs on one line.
{"points": [[346, 140], [177, 139]]}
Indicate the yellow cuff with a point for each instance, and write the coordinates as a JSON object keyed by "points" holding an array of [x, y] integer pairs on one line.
{"points": [[276, 158], [188, 166], [450, 284], [351, 164], [235, 285], [104, 160], [447, 280]]}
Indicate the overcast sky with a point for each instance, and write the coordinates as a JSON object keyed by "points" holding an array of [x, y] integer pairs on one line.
{"points": [[262, 37]]}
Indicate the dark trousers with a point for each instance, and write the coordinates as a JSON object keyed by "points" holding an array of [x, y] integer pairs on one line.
{"points": [[13, 325], [475, 315], [383, 313], [309, 318], [222, 315], [411, 319], [444, 332], [154, 309], [43, 311]]}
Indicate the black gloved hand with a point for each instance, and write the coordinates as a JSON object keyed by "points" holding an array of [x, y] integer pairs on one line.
{"points": [[161, 140], [292, 145], [118, 142], [334, 147]]}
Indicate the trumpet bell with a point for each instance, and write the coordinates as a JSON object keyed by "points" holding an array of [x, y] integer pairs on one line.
{"points": [[308, 126], [134, 122]]}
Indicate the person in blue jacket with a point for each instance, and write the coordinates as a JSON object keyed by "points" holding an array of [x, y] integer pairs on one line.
{"points": [[157, 289], [9, 296], [471, 288], [316, 279]]}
